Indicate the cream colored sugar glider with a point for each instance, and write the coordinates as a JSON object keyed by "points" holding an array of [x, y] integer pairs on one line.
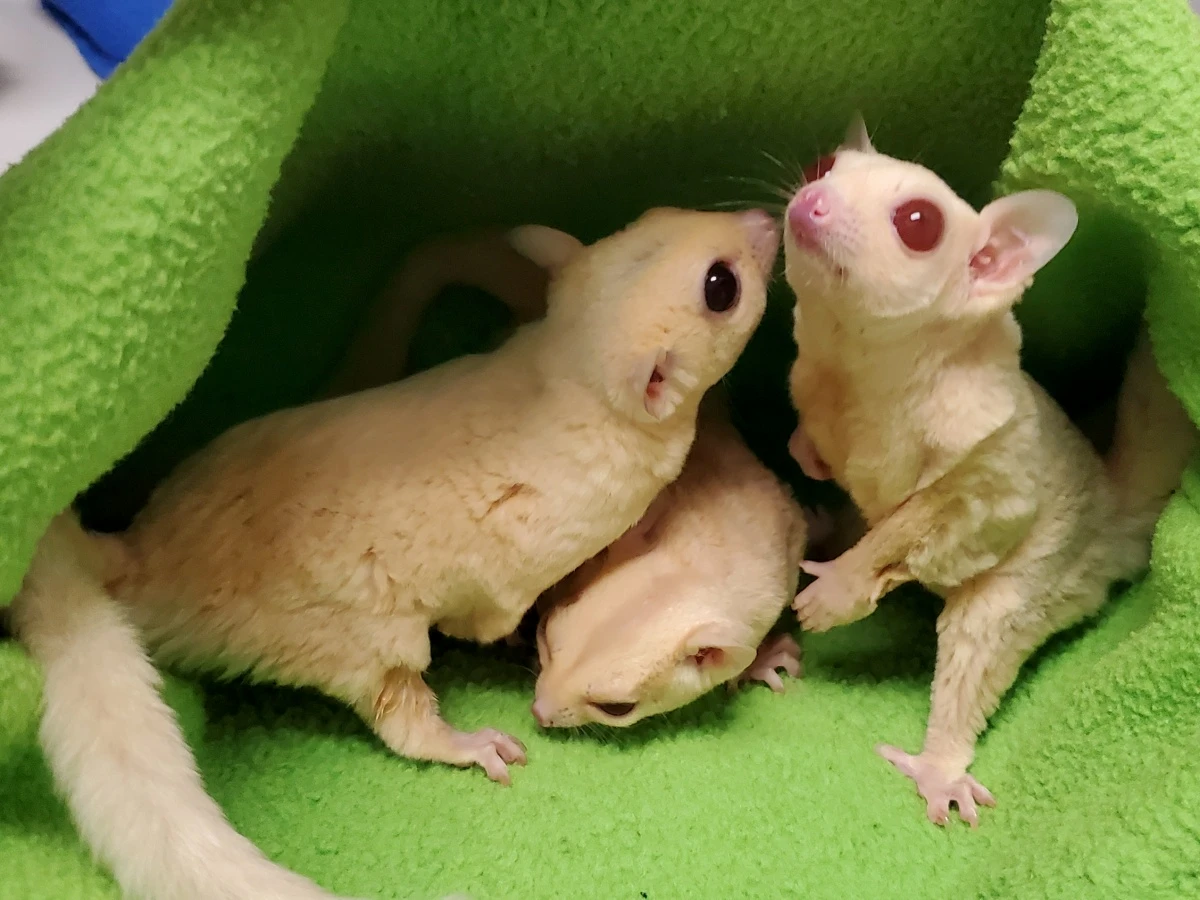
{"points": [[681, 603], [319, 545], [716, 558], [972, 481]]}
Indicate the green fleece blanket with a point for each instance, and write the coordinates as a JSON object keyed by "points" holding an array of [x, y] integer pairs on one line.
{"points": [[127, 240]]}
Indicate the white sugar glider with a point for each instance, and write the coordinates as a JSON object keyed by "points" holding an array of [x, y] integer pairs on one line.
{"points": [[680, 604], [318, 545], [972, 481], [677, 605]]}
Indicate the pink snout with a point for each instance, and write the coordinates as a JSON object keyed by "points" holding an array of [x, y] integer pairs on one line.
{"points": [[541, 712], [810, 213]]}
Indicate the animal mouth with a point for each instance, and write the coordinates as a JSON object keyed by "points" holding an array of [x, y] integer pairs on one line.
{"points": [[816, 250], [657, 384]]}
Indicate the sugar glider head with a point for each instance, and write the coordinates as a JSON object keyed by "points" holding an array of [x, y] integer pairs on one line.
{"points": [[636, 640], [657, 313], [886, 243]]}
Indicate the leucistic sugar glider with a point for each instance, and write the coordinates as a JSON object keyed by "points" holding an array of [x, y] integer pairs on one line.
{"points": [[318, 545], [725, 512], [682, 602], [972, 481]]}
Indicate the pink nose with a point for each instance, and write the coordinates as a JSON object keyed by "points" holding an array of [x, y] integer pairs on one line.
{"points": [[809, 212], [540, 712]]}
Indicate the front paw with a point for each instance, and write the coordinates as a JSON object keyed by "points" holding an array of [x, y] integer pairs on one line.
{"points": [[491, 750], [779, 652], [835, 598], [940, 787]]}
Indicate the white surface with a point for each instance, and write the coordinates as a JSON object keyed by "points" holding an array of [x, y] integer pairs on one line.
{"points": [[43, 79]]}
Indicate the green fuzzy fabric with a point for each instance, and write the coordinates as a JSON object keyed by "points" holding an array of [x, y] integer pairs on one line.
{"points": [[128, 238]]}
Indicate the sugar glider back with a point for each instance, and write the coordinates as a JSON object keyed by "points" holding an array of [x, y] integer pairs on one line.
{"points": [[318, 545]]}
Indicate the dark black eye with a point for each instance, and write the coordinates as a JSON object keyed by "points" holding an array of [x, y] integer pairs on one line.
{"points": [[616, 710], [721, 288]]}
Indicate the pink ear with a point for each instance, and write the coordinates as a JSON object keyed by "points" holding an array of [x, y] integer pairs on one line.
{"points": [[713, 657], [548, 248], [719, 644], [1018, 234]]}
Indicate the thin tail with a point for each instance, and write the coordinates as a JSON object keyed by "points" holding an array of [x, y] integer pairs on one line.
{"points": [[485, 260], [116, 749], [1152, 443]]}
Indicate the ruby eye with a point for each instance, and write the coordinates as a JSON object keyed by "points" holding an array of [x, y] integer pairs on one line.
{"points": [[819, 169], [919, 224]]}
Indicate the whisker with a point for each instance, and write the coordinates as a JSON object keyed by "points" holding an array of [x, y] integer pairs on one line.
{"points": [[769, 187]]}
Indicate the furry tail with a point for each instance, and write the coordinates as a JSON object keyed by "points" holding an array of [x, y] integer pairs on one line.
{"points": [[1152, 443], [486, 260], [116, 749]]}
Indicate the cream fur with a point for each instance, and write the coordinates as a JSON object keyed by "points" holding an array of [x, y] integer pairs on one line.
{"points": [[746, 526], [114, 746], [318, 545], [679, 604], [971, 479]]}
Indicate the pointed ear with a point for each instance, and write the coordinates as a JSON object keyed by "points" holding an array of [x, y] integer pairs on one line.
{"points": [[718, 644], [857, 137], [1018, 234], [548, 248]]}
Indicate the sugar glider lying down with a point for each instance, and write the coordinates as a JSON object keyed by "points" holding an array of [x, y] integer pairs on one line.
{"points": [[679, 604], [318, 545], [971, 479]]}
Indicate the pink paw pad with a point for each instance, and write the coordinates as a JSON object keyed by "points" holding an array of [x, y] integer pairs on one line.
{"points": [[940, 788]]}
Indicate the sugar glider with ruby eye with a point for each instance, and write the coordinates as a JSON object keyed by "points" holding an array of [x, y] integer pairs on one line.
{"points": [[319, 545], [682, 603], [971, 480]]}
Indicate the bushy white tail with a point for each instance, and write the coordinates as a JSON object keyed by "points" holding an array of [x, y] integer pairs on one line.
{"points": [[116, 749]]}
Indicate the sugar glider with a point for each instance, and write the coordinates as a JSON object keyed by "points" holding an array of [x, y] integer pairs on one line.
{"points": [[318, 545], [717, 555], [682, 602], [972, 481]]}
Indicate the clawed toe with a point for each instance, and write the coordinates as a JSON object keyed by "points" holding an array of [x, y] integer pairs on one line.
{"points": [[493, 751], [510, 749], [779, 652], [939, 788]]}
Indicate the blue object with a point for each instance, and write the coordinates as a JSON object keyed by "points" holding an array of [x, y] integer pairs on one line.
{"points": [[106, 31]]}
